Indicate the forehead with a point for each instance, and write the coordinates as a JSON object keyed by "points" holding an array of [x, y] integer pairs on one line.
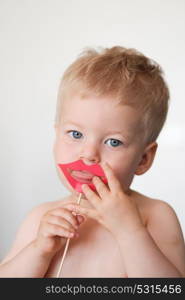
{"points": [[104, 110]]}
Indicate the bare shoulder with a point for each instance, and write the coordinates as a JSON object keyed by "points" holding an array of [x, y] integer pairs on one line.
{"points": [[153, 209], [27, 231], [145, 202], [165, 229]]}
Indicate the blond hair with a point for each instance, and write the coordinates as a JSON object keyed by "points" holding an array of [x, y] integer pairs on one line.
{"points": [[127, 76]]}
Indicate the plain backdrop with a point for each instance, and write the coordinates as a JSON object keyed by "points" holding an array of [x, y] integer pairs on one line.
{"points": [[38, 40]]}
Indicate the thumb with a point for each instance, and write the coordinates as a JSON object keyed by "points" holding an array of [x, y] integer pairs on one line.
{"points": [[80, 219]]}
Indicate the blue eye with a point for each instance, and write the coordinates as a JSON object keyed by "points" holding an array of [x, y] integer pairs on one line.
{"points": [[76, 136], [115, 142]]}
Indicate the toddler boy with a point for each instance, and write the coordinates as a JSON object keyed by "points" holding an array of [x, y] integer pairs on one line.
{"points": [[112, 105]]}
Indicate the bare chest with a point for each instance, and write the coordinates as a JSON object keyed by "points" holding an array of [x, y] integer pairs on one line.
{"points": [[94, 254]]}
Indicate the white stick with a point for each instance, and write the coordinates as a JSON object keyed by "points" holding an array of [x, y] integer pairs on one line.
{"points": [[66, 246]]}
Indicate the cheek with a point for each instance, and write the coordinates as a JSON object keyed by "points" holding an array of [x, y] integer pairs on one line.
{"points": [[126, 174], [126, 170], [62, 151]]}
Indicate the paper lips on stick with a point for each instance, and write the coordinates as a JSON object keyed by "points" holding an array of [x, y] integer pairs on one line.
{"points": [[77, 173]]}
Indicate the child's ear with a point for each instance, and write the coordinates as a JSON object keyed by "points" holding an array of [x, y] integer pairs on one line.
{"points": [[147, 158]]}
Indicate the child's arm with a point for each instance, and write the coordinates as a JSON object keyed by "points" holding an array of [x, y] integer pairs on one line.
{"points": [[29, 262], [41, 235]]}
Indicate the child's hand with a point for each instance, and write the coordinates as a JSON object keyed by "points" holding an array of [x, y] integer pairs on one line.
{"points": [[55, 226], [112, 208]]}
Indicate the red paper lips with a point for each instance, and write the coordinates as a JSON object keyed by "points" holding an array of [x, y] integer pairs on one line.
{"points": [[77, 178]]}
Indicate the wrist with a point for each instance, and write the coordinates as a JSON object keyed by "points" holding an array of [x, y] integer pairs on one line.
{"points": [[42, 251]]}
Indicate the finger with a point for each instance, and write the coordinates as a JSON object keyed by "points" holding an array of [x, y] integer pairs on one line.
{"points": [[62, 222], [56, 230], [65, 213], [91, 196], [100, 187], [84, 211], [80, 219], [113, 182]]}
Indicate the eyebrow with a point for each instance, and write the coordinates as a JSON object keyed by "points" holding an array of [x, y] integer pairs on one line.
{"points": [[110, 132]]}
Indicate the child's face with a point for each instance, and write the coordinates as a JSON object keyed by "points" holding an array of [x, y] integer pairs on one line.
{"points": [[97, 130]]}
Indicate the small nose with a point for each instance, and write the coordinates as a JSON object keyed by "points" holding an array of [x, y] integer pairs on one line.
{"points": [[90, 154]]}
